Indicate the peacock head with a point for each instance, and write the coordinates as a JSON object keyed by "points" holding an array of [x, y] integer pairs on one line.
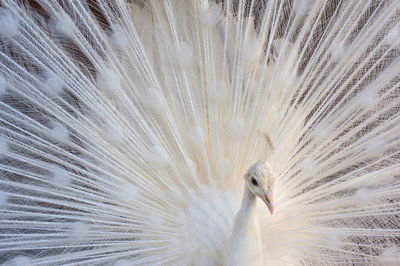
{"points": [[260, 181]]}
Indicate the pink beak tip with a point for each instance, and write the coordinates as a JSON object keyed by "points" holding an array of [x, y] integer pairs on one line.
{"points": [[269, 201]]}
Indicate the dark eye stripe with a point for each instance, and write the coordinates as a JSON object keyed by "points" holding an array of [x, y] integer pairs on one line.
{"points": [[254, 181]]}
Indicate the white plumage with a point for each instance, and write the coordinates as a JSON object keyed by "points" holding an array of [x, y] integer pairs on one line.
{"points": [[128, 129]]}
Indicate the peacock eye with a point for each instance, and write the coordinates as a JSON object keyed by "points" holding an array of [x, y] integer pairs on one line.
{"points": [[254, 181]]}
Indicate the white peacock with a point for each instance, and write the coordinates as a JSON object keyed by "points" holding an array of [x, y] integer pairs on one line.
{"points": [[130, 131]]}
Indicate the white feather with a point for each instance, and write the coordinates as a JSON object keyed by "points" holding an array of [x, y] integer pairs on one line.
{"points": [[9, 23]]}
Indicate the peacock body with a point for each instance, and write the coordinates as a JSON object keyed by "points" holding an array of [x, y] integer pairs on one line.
{"points": [[149, 132]]}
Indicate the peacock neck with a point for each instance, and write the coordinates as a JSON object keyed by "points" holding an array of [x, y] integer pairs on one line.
{"points": [[245, 246], [247, 215], [249, 203]]}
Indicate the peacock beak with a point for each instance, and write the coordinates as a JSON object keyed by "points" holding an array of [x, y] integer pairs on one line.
{"points": [[268, 199]]}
